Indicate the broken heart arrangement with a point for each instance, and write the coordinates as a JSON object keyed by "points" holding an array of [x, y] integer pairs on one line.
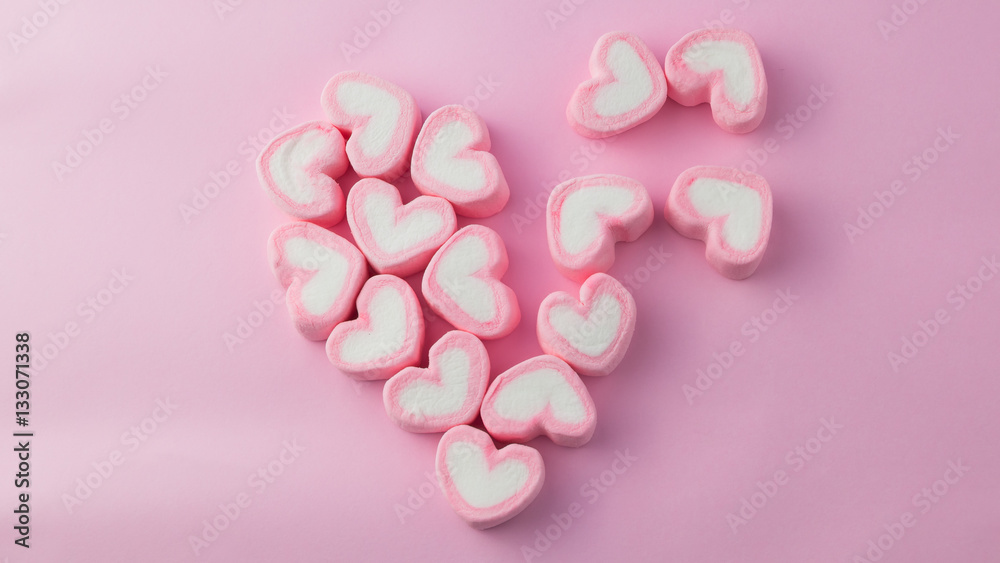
{"points": [[376, 128]]}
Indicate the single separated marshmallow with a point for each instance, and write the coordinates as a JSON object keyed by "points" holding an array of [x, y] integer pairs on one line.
{"points": [[322, 273], [540, 396], [484, 485], [447, 393], [298, 170], [585, 217], [386, 336], [591, 334], [627, 87], [381, 118], [728, 209], [722, 67], [397, 239], [452, 160], [462, 284]]}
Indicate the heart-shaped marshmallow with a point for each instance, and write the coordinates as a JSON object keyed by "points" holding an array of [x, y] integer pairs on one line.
{"points": [[381, 118], [628, 87], [298, 169], [386, 336], [540, 396], [592, 334], [322, 273], [462, 284], [447, 393], [728, 209], [397, 239], [452, 160], [722, 67], [484, 485], [585, 217]]}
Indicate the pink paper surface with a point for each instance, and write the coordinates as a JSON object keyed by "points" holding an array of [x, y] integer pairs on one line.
{"points": [[147, 371]]}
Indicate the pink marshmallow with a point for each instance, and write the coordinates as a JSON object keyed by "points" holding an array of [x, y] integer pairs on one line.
{"points": [[298, 170], [386, 336], [397, 239], [591, 334], [484, 485], [722, 67], [540, 396], [728, 209], [586, 216], [447, 393], [452, 160], [627, 87], [381, 118], [322, 273], [462, 284]]}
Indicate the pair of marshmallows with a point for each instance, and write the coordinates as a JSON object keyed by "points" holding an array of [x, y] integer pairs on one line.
{"points": [[628, 86], [730, 210]]}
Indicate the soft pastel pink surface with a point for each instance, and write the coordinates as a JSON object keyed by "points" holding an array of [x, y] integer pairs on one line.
{"points": [[163, 336]]}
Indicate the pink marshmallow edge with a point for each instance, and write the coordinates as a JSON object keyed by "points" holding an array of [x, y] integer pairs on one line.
{"points": [[478, 378], [690, 88], [412, 259], [555, 344], [392, 361], [686, 220], [600, 255], [395, 160], [507, 313], [483, 518], [544, 422], [484, 202], [580, 112], [315, 327], [327, 207]]}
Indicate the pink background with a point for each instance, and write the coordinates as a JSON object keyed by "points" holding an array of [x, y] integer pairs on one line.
{"points": [[162, 337]]}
